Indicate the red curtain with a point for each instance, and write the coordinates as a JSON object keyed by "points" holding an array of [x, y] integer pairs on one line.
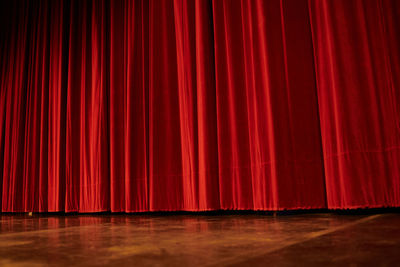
{"points": [[199, 105]]}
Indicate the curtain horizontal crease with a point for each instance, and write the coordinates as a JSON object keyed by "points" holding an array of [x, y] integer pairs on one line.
{"points": [[133, 106]]}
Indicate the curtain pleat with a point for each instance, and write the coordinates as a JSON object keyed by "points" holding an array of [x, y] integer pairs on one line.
{"points": [[166, 105], [358, 100]]}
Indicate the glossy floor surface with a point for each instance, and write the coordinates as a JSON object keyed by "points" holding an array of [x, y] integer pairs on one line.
{"points": [[206, 240]]}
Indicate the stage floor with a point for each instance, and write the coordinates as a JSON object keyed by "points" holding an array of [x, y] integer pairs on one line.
{"points": [[206, 240]]}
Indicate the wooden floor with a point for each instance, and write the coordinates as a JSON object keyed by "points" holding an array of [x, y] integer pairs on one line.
{"points": [[322, 239]]}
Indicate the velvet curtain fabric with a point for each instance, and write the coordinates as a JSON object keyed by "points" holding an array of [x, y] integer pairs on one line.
{"points": [[162, 105]]}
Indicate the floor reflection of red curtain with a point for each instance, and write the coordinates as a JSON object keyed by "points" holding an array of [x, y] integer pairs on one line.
{"points": [[199, 105]]}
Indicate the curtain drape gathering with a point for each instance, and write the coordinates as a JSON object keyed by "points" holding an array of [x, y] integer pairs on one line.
{"points": [[196, 105]]}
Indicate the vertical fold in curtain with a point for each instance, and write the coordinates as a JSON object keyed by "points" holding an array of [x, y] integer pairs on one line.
{"points": [[128, 105], [87, 170], [52, 178], [131, 106], [357, 64], [165, 144], [268, 127], [196, 96], [14, 91], [200, 35]]}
